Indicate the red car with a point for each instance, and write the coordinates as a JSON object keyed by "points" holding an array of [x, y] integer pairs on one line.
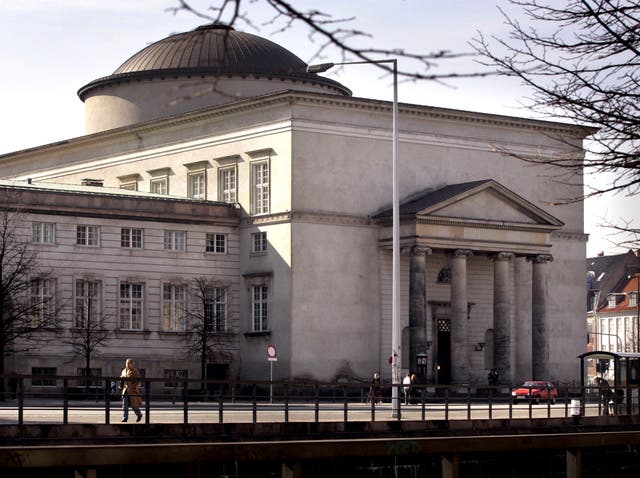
{"points": [[535, 390]]}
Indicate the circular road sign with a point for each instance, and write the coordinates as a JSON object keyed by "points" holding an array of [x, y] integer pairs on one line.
{"points": [[271, 351]]}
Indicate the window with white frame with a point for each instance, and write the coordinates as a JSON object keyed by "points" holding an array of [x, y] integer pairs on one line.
{"points": [[44, 232], [227, 186], [259, 242], [175, 240], [216, 243], [43, 302], [633, 299], [43, 376], [174, 307], [259, 307], [215, 309], [611, 301], [197, 185], [131, 238], [260, 187], [131, 305], [87, 235], [88, 302], [159, 185]]}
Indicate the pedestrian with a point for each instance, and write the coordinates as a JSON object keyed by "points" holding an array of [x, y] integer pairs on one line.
{"points": [[130, 384], [406, 388], [605, 394], [374, 390]]}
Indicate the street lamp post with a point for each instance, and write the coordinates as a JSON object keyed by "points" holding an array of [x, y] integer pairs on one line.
{"points": [[637, 276], [396, 331]]}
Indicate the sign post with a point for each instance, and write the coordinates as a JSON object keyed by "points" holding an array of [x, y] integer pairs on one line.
{"points": [[272, 356]]}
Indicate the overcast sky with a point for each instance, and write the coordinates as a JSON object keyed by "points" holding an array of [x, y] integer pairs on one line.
{"points": [[50, 48]]}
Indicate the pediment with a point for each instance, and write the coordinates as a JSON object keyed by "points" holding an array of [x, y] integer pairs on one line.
{"points": [[479, 202]]}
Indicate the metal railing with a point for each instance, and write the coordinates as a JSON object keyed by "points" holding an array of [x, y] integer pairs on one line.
{"points": [[214, 401]]}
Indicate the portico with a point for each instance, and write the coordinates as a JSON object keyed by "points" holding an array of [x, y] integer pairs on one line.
{"points": [[462, 314]]}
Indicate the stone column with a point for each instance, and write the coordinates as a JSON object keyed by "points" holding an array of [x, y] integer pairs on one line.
{"points": [[502, 316], [417, 302], [539, 317], [460, 364]]}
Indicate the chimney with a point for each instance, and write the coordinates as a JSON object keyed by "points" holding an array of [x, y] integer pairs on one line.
{"points": [[601, 254], [92, 182]]}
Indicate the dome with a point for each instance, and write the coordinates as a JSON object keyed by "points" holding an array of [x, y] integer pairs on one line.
{"points": [[213, 50]]}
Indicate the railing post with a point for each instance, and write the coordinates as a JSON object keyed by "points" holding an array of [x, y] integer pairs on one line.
{"points": [[317, 402], [424, 410], [468, 402], [548, 402], [510, 402], [286, 402], [566, 402], [107, 401], [490, 402], [344, 394], [185, 402], [65, 401], [254, 400], [399, 398], [147, 401], [220, 403], [20, 401], [446, 403]]}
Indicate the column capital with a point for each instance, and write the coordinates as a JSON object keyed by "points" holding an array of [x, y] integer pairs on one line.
{"points": [[504, 256], [540, 258], [463, 252], [416, 250]]}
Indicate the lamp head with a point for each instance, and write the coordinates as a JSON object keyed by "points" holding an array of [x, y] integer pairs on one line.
{"points": [[320, 67]]}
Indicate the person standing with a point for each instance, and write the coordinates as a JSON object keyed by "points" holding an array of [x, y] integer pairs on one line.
{"points": [[130, 384], [406, 387]]}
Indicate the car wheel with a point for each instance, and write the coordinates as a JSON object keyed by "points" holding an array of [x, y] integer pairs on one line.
{"points": [[515, 401], [536, 399]]}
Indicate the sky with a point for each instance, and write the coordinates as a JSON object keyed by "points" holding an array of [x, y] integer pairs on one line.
{"points": [[50, 48]]}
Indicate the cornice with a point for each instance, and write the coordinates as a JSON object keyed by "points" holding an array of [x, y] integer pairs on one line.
{"points": [[570, 236], [485, 224], [311, 217]]}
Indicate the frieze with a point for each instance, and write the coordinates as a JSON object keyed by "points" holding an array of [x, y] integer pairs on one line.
{"points": [[570, 236]]}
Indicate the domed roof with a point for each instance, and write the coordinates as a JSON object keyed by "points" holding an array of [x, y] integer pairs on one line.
{"points": [[214, 50]]}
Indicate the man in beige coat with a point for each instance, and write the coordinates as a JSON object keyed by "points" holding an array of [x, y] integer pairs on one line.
{"points": [[130, 383]]}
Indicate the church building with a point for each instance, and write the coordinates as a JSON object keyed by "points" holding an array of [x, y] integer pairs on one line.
{"points": [[216, 131]]}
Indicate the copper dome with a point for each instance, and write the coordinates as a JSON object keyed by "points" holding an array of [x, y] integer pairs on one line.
{"points": [[214, 50]]}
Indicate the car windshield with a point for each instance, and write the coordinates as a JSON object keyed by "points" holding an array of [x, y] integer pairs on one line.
{"points": [[534, 384]]}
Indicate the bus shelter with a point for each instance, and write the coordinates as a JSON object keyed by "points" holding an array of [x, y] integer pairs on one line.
{"points": [[619, 369]]}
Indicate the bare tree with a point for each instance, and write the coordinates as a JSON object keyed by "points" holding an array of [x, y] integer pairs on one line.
{"points": [[209, 335], [329, 33], [28, 299], [88, 334], [581, 59]]}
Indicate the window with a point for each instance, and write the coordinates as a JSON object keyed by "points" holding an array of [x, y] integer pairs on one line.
{"points": [[44, 233], [174, 306], [259, 242], [197, 185], [175, 240], [227, 185], [217, 243], [174, 378], [131, 306], [611, 301], [88, 302], [43, 302], [260, 187], [259, 303], [215, 309], [95, 373], [159, 185], [43, 376], [131, 238], [87, 235], [633, 299]]}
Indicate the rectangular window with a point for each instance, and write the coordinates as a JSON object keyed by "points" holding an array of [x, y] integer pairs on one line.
{"points": [[159, 186], [259, 303], [215, 309], [43, 376], [88, 302], [174, 378], [611, 302], [174, 307], [227, 185], [217, 243], [175, 240], [44, 233], [260, 187], [131, 238], [87, 235], [633, 299], [43, 302], [94, 373], [131, 306], [197, 185], [259, 242]]}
